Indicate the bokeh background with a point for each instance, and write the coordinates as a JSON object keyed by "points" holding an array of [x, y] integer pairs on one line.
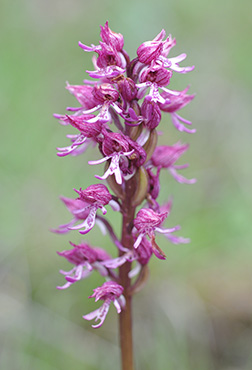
{"points": [[195, 311]]}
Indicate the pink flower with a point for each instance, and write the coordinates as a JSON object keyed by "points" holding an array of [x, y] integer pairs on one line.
{"points": [[89, 133], [147, 222], [154, 183], [172, 103], [156, 51], [85, 207], [85, 258], [151, 114], [155, 74], [111, 38], [84, 95], [124, 155], [109, 292], [111, 59], [151, 50], [165, 156], [106, 97], [119, 113]]}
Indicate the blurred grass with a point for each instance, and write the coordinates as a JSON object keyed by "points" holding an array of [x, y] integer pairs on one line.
{"points": [[195, 311]]}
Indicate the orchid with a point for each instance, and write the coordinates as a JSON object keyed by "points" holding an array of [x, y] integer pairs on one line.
{"points": [[120, 113], [86, 259], [165, 156], [108, 292]]}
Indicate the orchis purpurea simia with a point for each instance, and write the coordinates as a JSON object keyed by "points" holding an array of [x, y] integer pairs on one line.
{"points": [[119, 112]]}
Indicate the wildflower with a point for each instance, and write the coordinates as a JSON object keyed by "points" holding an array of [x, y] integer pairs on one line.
{"points": [[156, 51], [111, 38], [151, 50], [165, 156], [147, 222], [154, 183], [87, 130], [109, 292], [172, 103], [111, 59], [119, 149], [119, 113], [155, 74], [85, 207], [151, 113], [84, 95], [85, 258]]}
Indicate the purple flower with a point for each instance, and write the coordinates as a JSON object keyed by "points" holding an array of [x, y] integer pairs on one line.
{"points": [[87, 131], [112, 59], [172, 103], [165, 156], [155, 74], [75, 206], [147, 222], [127, 89], [151, 113], [174, 239], [154, 183], [144, 251], [109, 292], [84, 95], [122, 152], [85, 207], [119, 113], [105, 93], [111, 38], [85, 258], [106, 96], [151, 50], [156, 51]]}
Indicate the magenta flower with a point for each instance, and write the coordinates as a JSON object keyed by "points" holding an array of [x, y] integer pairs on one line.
{"points": [[89, 133], [155, 74], [75, 206], [112, 59], [156, 51], [94, 197], [151, 50], [147, 222], [111, 38], [151, 113], [153, 189], [122, 153], [86, 259], [165, 156], [106, 97], [109, 292], [84, 95], [85, 207], [172, 103], [143, 253], [120, 113]]}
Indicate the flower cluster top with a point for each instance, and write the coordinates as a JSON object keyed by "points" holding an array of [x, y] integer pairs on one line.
{"points": [[118, 111]]}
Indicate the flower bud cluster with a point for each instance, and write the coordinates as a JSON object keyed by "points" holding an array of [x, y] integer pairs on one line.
{"points": [[118, 112]]}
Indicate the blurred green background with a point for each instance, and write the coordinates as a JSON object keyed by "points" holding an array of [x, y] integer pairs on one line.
{"points": [[195, 312]]}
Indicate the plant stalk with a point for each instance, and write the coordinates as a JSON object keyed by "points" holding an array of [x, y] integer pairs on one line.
{"points": [[125, 317]]}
